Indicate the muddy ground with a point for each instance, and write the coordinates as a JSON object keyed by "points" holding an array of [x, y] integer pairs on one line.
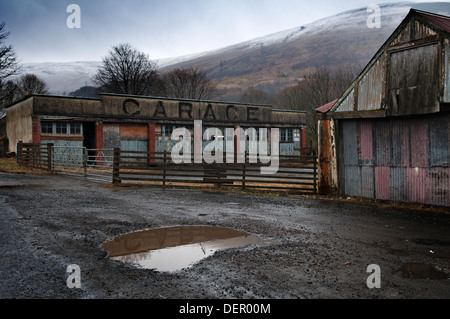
{"points": [[315, 247]]}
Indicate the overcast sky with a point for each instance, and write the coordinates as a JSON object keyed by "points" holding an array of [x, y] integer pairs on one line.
{"points": [[160, 28]]}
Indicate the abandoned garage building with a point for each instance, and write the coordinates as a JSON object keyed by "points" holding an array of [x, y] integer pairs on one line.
{"points": [[139, 123], [387, 136]]}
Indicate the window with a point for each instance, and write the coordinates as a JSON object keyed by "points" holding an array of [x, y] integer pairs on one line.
{"points": [[75, 128], [290, 134], [286, 134], [47, 127], [61, 128], [72, 128], [168, 130], [297, 135]]}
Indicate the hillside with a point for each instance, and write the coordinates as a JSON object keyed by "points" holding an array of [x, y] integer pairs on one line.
{"points": [[281, 59], [271, 62]]}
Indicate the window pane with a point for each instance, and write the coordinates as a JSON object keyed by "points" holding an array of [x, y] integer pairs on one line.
{"points": [[168, 130], [75, 128], [282, 134], [290, 134], [47, 127], [61, 128]]}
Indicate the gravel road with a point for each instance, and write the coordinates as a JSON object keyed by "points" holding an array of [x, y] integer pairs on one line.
{"points": [[314, 247]]}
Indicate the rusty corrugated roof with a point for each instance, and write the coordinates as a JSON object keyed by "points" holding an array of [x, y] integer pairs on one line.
{"points": [[440, 21], [325, 108]]}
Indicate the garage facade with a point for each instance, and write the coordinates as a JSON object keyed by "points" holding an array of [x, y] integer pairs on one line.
{"points": [[140, 123]]}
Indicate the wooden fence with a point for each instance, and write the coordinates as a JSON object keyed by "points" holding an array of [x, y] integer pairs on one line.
{"points": [[297, 174], [3, 146], [35, 155]]}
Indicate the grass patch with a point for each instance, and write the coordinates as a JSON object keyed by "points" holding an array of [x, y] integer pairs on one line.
{"points": [[10, 165]]}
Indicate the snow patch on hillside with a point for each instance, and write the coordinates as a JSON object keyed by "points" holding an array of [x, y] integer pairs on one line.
{"points": [[63, 78]]}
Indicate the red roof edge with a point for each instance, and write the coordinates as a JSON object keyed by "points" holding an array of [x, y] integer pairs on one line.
{"points": [[441, 21], [325, 108]]}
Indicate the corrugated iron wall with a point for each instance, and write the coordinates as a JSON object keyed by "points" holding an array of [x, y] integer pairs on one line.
{"points": [[399, 159], [446, 95]]}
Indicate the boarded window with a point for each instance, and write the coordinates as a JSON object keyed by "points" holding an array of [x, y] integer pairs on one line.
{"points": [[414, 81]]}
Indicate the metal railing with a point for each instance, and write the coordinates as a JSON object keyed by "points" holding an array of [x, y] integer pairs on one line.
{"points": [[92, 164]]}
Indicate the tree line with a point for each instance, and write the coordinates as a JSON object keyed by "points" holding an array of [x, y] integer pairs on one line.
{"points": [[315, 89], [125, 70]]}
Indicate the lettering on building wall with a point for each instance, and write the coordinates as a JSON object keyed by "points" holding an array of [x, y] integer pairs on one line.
{"points": [[232, 112], [252, 114], [209, 113], [131, 107], [186, 111], [160, 110]]}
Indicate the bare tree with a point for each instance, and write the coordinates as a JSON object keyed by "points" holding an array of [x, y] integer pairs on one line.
{"points": [[8, 66], [127, 71], [8, 60], [189, 83], [31, 84], [9, 93], [315, 90]]}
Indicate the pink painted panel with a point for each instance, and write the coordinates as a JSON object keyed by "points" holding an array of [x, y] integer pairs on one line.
{"points": [[382, 182], [416, 184]]}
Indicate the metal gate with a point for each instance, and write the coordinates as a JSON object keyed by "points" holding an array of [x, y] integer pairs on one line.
{"points": [[92, 164]]}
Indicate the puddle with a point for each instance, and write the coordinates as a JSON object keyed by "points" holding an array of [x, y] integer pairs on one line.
{"points": [[174, 248], [422, 271]]}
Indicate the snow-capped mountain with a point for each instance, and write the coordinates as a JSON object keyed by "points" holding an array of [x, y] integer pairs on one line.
{"points": [[270, 62], [62, 78]]}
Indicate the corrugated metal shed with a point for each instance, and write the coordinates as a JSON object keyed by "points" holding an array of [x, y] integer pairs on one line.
{"points": [[443, 22], [370, 88], [395, 172], [393, 122], [446, 94]]}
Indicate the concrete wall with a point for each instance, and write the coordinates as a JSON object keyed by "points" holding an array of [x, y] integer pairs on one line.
{"points": [[145, 109], [19, 125]]}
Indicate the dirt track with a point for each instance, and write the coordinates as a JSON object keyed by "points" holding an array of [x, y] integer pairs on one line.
{"points": [[315, 248]]}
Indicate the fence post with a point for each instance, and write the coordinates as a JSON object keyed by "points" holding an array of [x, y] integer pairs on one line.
{"points": [[35, 152], [243, 171], [164, 168], [85, 161], [49, 156], [19, 153], [315, 175], [116, 166], [218, 173]]}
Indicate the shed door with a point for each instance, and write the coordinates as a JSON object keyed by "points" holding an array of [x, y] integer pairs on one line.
{"points": [[414, 81]]}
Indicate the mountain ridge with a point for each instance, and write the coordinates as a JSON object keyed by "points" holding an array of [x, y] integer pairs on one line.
{"points": [[270, 62]]}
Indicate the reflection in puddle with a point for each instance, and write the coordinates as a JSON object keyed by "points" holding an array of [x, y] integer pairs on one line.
{"points": [[175, 248]]}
